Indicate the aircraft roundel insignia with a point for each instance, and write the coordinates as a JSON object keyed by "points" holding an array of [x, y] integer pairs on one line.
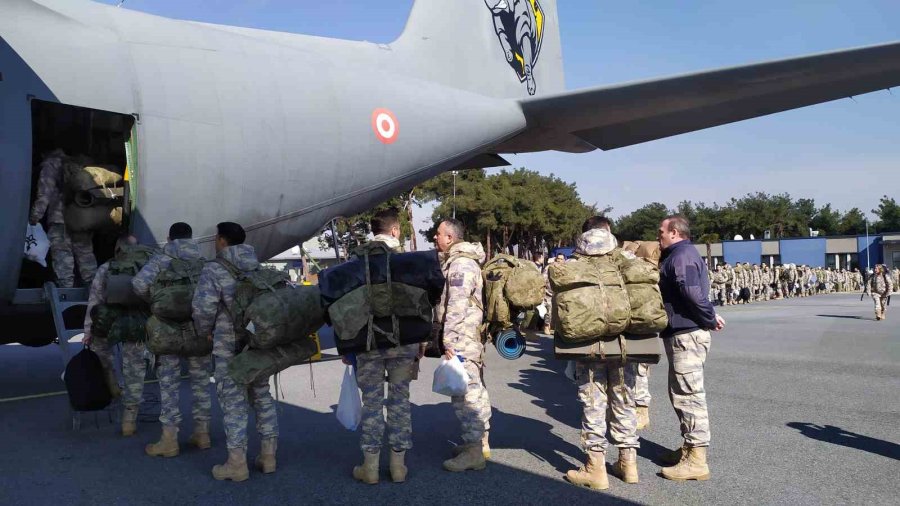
{"points": [[385, 125]]}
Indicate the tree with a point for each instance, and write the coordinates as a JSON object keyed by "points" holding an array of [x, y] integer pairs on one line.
{"points": [[853, 223], [888, 213], [827, 221], [352, 231], [642, 224]]}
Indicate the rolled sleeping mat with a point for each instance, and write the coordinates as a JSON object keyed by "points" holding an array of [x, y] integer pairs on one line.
{"points": [[510, 344]]}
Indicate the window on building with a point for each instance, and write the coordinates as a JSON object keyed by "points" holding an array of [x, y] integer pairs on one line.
{"points": [[854, 262], [771, 260], [895, 259], [832, 261]]}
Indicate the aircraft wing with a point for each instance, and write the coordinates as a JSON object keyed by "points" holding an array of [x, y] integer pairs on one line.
{"points": [[621, 115]]}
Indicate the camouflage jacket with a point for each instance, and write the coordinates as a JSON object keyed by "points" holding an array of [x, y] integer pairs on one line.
{"points": [[881, 284], [49, 198], [461, 309], [97, 295], [185, 249], [214, 298]]}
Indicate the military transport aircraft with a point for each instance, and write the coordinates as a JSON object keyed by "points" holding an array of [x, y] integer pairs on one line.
{"points": [[281, 132]]}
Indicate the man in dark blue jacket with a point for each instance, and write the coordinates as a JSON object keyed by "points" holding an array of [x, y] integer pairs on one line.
{"points": [[684, 283]]}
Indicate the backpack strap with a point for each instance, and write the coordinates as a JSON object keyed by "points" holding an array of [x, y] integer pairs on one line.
{"points": [[394, 335]]}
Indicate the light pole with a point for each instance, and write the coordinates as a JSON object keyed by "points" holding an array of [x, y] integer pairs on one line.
{"points": [[868, 265], [454, 193]]}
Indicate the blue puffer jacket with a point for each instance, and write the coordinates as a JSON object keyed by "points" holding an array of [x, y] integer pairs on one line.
{"points": [[684, 283]]}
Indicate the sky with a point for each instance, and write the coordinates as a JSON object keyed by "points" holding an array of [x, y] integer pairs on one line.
{"points": [[845, 152]]}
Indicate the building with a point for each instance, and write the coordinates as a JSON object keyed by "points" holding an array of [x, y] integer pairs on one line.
{"points": [[841, 252]]}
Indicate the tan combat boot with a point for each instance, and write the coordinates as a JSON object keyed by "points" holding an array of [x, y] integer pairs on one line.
{"points": [[167, 446], [643, 417], [692, 467], [592, 474], [235, 468], [626, 467], [471, 457], [200, 437], [673, 457], [485, 447], [368, 471], [129, 420], [265, 461], [398, 466]]}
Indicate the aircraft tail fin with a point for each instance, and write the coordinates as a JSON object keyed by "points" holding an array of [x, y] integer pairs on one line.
{"points": [[498, 48]]}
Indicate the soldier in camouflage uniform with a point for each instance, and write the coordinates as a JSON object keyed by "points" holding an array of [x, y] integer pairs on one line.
{"points": [[400, 364], [880, 287], [718, 285], [548, 298], [896, 276], [134, 366], [458, 318], [730, 281], [212, 307], [66, 247], [168, 368], [605, 387]]}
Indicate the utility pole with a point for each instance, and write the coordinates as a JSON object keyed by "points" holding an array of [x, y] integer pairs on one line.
{"points": [[455, 172], [334, 239], [868, 245]]}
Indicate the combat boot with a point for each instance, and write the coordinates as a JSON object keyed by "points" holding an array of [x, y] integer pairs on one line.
{"points": [[398, 466], [470, 458], [167, 446], [368, 471], [672, 457], [692, 467], [643, 417], [265, 461], [200, 437], [235, 468], [592, 474], [129, 420], [626, 467], [485, 447]]}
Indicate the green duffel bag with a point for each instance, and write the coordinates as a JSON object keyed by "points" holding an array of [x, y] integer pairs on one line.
{"points": [[580, 301], [648, 314], [129, 327], [618, 308], [173, 291], [176, 338], [638, 271], [80, 177], [98, 217], [251, 364]]}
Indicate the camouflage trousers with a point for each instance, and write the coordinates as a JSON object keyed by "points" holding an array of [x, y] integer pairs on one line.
{"points": [[473, 409], [235, 401], [607, 387], [880, 304], [67, 248], [398, 364], [134, 371], [168, 370], [641, 385], [687, 355]]}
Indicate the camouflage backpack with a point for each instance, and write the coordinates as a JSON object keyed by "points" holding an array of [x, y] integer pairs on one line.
{"points": [[269, 311], [252, 364], [166, 337], [117, 322], [510, 284], [579, 301], [648, 313], [618, 308], [173, 291]]}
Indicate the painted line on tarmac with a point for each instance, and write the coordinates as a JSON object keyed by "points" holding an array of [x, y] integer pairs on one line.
{"points": [[63, 392]]}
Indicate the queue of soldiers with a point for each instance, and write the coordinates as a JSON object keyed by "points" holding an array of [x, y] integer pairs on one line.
{"points": [[746, 283]]}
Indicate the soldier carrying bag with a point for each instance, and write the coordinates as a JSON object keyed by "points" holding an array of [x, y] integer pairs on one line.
{"points": [[123, 317], [510, 285]]}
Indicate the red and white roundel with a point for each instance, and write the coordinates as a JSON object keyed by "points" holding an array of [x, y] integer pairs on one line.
{"points": [[385, 125]]}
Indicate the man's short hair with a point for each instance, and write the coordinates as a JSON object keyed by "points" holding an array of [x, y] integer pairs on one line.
{"points": [[383, 221], [180, 230], [232, 233], [595, 222], [456, 227], [680, 224]]}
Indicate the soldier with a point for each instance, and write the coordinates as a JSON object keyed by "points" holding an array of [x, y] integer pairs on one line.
{"points": [[896, 276], [212, 306], [880, 287], [168, 368], [66, 247], [548, 299], [399, 363], [756, 282], [604, 387], [683, 278], [458, 318], [134, 367], [718, 285], [729, 285]]}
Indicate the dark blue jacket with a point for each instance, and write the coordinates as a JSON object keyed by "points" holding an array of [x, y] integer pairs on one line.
{"points": [[684, 283]]}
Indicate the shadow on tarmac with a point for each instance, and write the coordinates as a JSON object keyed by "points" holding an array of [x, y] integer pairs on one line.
{"points": [[838, 436], [848, 317]]}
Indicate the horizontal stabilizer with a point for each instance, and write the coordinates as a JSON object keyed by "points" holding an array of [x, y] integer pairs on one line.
{"points": [[622, 115]]}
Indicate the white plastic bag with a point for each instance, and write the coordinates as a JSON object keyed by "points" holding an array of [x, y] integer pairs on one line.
{"points": [[542, 310], [349, 408], [36, 244], [450, 378]]}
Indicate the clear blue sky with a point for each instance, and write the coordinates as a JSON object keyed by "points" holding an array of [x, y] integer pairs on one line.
{"points": [[845, 152]]}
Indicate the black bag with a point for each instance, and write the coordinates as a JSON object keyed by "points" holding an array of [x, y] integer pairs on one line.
{"points": [[745, 294], [86, 382]]}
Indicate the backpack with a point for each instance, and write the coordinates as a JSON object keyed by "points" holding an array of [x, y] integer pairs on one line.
{"points": [[618, 308], [579, 301], [120, 322], [252, 364], [172, 292], [86, 382], [648, 313], [167, 337], [269, 311], [510, 284], [381, 299]]}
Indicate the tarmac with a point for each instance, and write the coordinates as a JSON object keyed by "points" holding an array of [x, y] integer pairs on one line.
{"points": [[803, 397]]}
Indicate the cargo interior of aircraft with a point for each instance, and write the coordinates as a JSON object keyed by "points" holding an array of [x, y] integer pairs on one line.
{"points": [[96, 189]]}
